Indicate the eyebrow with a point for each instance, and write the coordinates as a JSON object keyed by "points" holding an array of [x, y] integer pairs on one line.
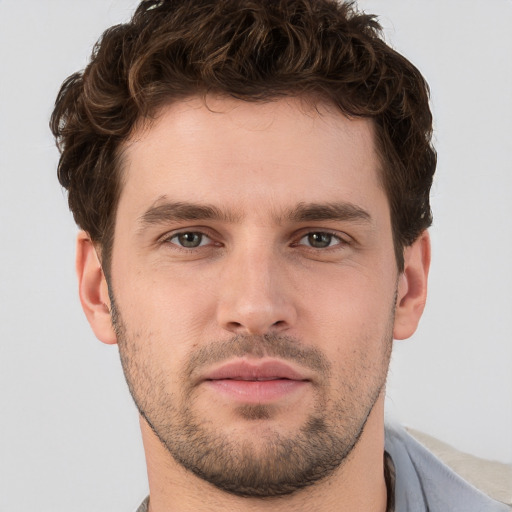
{"points": [[302, 212], [338, 211], [179, 211]]}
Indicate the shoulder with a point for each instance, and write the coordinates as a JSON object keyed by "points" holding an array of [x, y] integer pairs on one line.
{"points": [[431, 475], [490, 477]]}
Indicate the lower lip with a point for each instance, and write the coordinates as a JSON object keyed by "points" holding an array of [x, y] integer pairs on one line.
{"points": [[257, 391]]}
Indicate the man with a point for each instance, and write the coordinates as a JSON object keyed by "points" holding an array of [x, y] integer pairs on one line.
{"points": [[252, 180]]}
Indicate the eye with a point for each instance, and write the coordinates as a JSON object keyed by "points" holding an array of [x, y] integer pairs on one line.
{"points": [[190, 239], [320, 240]]}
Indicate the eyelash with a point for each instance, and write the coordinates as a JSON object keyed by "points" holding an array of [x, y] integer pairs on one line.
{"points": [[332, 236], [168, 239], [341, 242]]}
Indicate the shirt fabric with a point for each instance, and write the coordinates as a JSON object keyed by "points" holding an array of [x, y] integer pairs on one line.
{"points": [[425, 484], [422, 482]]}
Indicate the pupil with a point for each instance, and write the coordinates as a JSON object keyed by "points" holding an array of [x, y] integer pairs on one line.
{"points": [[319, 240], [190, 239]]}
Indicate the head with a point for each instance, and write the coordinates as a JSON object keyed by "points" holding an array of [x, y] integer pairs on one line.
{"points": [[254, 178]]}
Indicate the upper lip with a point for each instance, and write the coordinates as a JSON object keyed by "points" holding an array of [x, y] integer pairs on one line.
{"points": [[255, 370]]}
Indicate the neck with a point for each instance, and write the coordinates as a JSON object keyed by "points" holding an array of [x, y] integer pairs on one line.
{"points": [[358, 485]]}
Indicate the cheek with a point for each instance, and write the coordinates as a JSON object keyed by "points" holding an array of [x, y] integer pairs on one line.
{"points": [[173, 309], [355, 303]]}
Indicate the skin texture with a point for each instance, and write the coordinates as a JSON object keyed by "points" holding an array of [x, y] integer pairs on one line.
{"points": [[290, 260]]}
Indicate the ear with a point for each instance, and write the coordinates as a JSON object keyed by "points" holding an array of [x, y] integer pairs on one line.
{"points": [[93, 289], [412, 287]]}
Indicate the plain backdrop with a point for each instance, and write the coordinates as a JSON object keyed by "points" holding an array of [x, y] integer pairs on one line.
{"points": [[69, 438]]}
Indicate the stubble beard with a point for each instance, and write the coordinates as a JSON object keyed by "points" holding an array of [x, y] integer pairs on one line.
{"points": [[273, 464]]}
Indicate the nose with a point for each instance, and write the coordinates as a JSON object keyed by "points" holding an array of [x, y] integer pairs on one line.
{"points": [[256, 294]]}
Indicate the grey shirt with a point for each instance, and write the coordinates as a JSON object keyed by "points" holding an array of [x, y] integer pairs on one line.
{"points": [[423, 483]]}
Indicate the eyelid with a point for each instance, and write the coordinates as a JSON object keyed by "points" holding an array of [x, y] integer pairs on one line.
{"points": [[205, 232], [343, 238], [204, 239]]}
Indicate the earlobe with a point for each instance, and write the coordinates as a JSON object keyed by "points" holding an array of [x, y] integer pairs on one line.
{"points": [[93, 289], [412, 287]]}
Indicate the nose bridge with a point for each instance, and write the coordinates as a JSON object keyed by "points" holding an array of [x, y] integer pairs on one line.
{"points": [[254, 298]]}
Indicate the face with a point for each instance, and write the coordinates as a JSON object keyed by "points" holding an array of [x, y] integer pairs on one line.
{"points": [[253, 284]]}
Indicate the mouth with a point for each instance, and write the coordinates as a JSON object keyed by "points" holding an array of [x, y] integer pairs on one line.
{"points": [[262, 381]]}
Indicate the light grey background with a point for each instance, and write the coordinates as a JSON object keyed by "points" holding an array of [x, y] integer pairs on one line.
{"points": [[69, 438]]}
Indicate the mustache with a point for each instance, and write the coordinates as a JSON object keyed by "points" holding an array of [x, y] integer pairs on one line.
{"points": [[283, 347]]}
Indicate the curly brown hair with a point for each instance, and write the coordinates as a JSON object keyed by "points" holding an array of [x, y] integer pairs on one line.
{"points": [[253, 50]]}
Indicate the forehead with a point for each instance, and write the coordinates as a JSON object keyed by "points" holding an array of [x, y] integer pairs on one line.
{"points": [[250, 154]]}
